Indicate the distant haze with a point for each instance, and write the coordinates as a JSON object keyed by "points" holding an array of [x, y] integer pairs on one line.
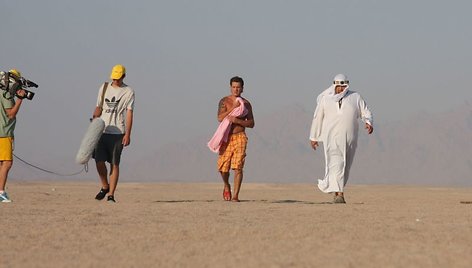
{"points": [[405, 58], [414, 151]]}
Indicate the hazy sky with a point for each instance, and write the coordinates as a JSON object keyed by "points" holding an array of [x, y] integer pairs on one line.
{"points": [[404, 57]]}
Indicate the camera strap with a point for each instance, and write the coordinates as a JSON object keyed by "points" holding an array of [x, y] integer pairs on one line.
{"points": [[7, 80], [11, 90], [8, 91]]}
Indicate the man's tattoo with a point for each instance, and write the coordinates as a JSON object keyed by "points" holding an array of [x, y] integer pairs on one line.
{"points": [[221, 106]]}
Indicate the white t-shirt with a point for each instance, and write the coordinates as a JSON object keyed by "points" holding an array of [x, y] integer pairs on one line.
{"points": [[117, 101]]}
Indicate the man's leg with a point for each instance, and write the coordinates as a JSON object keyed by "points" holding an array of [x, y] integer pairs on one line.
{"points": [[238, 180], [5, 167], [237, 163], [102, 173], [114, 175], [227, 186], [223, 164], [6, 162]]}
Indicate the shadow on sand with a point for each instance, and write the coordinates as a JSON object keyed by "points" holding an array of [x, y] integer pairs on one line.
{"points": [[286, 201], [185, 201], [289, 201]]}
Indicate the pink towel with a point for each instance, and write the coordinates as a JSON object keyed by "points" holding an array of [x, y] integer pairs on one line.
{"points": [[222, 132]]}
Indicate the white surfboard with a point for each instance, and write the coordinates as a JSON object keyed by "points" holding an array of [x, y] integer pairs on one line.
{"points": [[90, 141]]}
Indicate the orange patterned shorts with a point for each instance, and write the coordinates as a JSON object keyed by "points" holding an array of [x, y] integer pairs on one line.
{"points": [[233, 153]]}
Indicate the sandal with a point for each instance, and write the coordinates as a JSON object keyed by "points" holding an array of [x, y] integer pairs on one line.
{"points": [[227, 194]]}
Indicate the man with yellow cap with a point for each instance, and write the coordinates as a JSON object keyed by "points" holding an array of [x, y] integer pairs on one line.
{"points": [[9, 107], [115, 105]]}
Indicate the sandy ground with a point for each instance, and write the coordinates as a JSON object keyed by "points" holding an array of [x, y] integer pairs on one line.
{"points": [[59, 224]]}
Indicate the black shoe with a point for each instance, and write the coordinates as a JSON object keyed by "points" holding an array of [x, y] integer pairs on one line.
{"points": [[111, 198], [102, 194]]}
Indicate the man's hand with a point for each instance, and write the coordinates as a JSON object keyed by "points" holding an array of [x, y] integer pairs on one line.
{"points": [[314, 144], [21, 93], [126, 140], [369, 128]]}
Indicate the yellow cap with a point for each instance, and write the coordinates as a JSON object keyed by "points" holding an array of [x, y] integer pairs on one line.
{"points": [[15, 72], [117, 72]]}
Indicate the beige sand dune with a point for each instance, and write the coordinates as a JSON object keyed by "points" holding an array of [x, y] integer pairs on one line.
{"points": [[59, 224]]}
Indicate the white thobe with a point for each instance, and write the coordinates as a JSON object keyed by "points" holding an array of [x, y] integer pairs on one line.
{"points": [[336, 126]]}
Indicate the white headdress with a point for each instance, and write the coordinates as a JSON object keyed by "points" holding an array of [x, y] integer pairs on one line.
{"points": [[339, 80]]}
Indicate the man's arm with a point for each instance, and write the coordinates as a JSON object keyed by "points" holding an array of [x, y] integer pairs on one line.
{"points": [[317, 123], [366, 116], [129, 126], [248, 120], [224, 109], [100, 99], [13, 111], [97, 112]]}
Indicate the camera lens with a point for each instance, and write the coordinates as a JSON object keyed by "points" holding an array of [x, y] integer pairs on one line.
{"points": [[29, 95]]}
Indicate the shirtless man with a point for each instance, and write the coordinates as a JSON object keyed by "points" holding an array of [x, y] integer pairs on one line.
{"points": [[233, 153]]}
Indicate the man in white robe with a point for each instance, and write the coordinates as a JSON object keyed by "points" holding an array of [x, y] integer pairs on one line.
{"points": [[335, 124]]}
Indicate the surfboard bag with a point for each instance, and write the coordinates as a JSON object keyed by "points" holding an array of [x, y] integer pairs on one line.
{"points": [[90, 141]]}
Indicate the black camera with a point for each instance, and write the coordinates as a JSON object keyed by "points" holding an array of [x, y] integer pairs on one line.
{"points": [[11, 84]]}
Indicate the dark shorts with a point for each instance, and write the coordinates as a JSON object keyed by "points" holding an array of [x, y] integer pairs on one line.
{"points": [[109, 149]]}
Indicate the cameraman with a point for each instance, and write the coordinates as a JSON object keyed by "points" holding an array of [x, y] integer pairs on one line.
{"points": [[9, 107]]}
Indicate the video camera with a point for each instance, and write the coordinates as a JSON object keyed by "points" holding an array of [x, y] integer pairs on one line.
{"points": [[11, 84]]}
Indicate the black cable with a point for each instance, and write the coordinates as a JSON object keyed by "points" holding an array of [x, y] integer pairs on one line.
{"points": [[52, 172]]}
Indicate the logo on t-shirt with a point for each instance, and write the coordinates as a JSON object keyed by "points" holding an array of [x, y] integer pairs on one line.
{"points": [[112, 104]]}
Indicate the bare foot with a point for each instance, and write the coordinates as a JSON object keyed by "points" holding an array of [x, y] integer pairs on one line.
{"points": [[235, 199]]}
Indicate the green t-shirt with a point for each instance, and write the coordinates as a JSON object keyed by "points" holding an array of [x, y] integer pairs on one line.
{"points": [[7, 125]]}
